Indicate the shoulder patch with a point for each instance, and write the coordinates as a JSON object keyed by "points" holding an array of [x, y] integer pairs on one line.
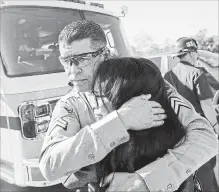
{"points": [[177, 103], [66, 105], [66, 101], [68, 108]]}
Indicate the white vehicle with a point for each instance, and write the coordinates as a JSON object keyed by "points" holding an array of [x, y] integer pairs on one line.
{"points": [[164, 62], [32, 78]]}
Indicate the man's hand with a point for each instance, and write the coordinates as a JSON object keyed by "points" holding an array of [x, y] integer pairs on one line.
{"points": [[125, 182], [140, 113]]}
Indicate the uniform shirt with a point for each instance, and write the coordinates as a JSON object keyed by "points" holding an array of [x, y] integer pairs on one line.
{"points": [[76, 140], [190, 82]]}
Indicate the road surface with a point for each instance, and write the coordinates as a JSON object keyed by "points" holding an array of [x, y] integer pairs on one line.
{"points": [[5, 187]]}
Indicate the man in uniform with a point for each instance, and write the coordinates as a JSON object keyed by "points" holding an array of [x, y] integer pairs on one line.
{"points": [[192, 84], [191, 81], [79, 135]]}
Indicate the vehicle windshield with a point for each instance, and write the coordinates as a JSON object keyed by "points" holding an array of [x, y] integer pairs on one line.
{"points": [[29, 38]]}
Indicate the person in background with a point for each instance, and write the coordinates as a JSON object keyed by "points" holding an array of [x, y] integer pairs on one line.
{"points": [[191, 81], [192, 84], [78, 136]]}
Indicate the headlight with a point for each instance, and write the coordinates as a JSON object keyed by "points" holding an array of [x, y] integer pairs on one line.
{"points": [[42, 110], [42, 127]]}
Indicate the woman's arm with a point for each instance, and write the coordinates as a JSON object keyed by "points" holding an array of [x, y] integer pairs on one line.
{"points": [[179, 163]]}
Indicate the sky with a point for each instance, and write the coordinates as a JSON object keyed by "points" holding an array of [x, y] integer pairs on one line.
{"points": [[167, 19]]}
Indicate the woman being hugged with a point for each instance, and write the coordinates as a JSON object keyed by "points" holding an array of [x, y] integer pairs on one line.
{"points": [[118, 80]]}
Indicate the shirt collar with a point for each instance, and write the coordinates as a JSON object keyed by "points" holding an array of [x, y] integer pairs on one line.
{"points": [[186, 63]]}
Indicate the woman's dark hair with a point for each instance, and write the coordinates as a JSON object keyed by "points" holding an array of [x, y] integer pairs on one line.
{"points": [[120, 79]]}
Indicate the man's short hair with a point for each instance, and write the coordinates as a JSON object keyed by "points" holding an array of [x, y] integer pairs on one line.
{"points": [[84, 29]]}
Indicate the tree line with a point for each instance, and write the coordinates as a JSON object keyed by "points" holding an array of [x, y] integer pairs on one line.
{"points": [[145, 45]]}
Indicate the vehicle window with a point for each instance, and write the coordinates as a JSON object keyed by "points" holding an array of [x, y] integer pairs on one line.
{"points": [[112, 28], [29, 39]]}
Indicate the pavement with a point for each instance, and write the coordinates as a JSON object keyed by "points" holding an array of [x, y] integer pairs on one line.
{"points": [[6, 187]]}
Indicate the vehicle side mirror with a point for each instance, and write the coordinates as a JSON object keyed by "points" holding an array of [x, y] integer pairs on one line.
{"points": [[124, 10]]}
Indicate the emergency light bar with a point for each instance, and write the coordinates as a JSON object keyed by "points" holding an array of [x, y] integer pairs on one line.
{"points": [[97, 4], [84, 2], [75, 1]]}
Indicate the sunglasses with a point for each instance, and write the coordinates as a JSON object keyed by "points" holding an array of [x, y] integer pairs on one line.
{"points": [[79, 60]]}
